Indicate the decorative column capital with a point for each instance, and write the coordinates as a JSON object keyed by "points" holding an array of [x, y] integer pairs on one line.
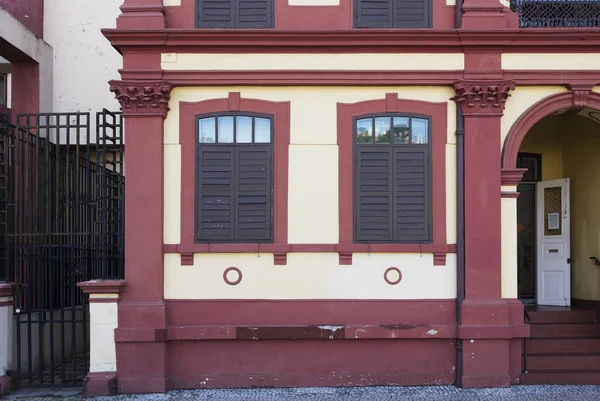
{"points": [[482, 98], [581, 92], [141, 99]]}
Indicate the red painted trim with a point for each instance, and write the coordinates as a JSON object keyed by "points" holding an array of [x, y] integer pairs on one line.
{"points": [[6, 303], [103, 300], [102, 286], [280, 248], [98, 384], [564, 40], [4, 385], [187, 138], [543, 108], [509, 194], [392, 282], [6, 289], [439, 259], [511, 176], [439, 120]]}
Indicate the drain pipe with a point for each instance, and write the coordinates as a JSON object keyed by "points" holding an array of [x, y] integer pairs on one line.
{"points": [[460, 235], [458, 14]]}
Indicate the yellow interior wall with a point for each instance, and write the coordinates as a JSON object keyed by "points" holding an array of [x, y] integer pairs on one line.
{"points": [[581, 163], [570, 149], [545, 138]]}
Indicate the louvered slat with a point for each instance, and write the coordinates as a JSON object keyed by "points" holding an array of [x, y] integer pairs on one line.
{"points": [[411, 13], [373, 199], [412, 191], [215, 14], [255, 13], [234, 14], [215, 193], [253, 193], [373, 13]]}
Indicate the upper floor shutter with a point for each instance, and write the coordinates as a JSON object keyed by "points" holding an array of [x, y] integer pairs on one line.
{"points": [[411, 13], [412, 191], [374, 184], [215, 193], [253, 193], [392, 13], [234, 14]]}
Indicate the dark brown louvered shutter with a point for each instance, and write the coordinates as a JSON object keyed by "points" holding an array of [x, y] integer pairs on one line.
{"points": [[412, 192], [411, 13], [253, 193], [215, 193], [241, 14], [254, 14], [215, 13], [373, 211], [373, 13]]}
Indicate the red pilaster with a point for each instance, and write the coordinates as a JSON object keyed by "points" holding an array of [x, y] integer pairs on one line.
{"points": [[140, 343], [488, 324], [483, 14]]}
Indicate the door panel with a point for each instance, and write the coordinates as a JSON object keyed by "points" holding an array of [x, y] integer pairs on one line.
{"points": [[553, 239]]}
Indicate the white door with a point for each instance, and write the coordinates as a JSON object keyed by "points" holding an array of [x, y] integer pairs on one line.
{"points": [[553, 243]]}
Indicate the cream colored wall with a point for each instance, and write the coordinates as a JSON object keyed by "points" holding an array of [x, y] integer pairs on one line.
{"points": [[313, 202], [103, 322], [362, 61], [581, 163], [550, 61], [6, 336]]}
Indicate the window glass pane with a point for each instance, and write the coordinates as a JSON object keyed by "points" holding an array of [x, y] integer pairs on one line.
{"points": [[419, 130], [207, 130], [401, 128], [363, 130], [226, 129], [382, 130], [243, 129], [262, 130]]}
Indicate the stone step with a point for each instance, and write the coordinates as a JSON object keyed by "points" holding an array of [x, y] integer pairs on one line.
{"points": [[571, 330], [561, 316], [554, 362], [561, 377], [563, 346]]}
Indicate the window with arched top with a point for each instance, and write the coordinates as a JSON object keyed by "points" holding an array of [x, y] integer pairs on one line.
{"points": [[392, 178], [234, 170]]}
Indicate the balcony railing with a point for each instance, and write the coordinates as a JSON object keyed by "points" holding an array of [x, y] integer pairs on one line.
{"points": [[557, 13]]}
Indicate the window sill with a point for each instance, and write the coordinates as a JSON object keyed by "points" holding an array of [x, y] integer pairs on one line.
{"points": [[280, 251]]}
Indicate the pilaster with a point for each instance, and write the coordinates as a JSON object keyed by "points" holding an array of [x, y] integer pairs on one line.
{"points": [[6, 335], [140, 339], [142, 14]]}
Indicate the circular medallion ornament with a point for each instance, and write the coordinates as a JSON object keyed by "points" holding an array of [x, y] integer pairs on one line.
{"points": [[232, 275], [392, 275]]}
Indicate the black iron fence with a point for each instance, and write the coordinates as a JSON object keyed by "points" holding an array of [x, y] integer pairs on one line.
{"points": [[557, 13], [61, 222]]}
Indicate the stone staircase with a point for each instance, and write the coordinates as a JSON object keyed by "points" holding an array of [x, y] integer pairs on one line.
{"points": [[564, 347]]}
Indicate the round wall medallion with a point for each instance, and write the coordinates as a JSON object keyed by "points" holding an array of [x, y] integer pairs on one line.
{"points": [[392, 275], [232, 275]]}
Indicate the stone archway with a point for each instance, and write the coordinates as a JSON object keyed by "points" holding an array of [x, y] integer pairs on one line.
{"points": [[573, 101]]}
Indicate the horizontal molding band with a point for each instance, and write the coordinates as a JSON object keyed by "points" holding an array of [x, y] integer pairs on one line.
{"points": [[564, 40], [316, 248], [357, 77]]}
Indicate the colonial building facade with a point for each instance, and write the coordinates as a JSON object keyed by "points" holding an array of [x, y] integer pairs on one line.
{"points": [[327, 193]]}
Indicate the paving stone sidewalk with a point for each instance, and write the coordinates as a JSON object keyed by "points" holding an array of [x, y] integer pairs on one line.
{"points": [[438, 393]]}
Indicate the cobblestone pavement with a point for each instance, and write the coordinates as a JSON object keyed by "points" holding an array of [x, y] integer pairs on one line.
{"points": [[520, 393]]}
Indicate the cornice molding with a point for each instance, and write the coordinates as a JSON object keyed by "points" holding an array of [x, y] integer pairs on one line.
{"points": [[481, 97], [142, 99], [512, 176], [368, 40]]}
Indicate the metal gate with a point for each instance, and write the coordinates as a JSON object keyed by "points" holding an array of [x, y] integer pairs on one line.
{"points": [[61, 222]]}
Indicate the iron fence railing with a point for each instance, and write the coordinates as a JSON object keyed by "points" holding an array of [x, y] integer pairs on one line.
{"points": [[557, 13]]}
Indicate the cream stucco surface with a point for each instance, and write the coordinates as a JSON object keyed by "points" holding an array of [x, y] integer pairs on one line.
{"points": [[550, 61], [171, 3], [509, 244], [310, 276], [313, 194], [363, 61], [103, 322], [313, 154], [520, 100], [6, 336], [314, 2]]}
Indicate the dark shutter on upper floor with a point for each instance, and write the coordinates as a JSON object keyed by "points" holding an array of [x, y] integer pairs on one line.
{"points": [[374, 195], [392, 13], [242, 14], [412, 191], [234, 193]]}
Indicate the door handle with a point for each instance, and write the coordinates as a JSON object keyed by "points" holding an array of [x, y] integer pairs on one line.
{"points": [[568, 260], [596, 260]]}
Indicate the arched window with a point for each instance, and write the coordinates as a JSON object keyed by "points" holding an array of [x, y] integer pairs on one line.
{"points": [[234, 178], [392, 178]]}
